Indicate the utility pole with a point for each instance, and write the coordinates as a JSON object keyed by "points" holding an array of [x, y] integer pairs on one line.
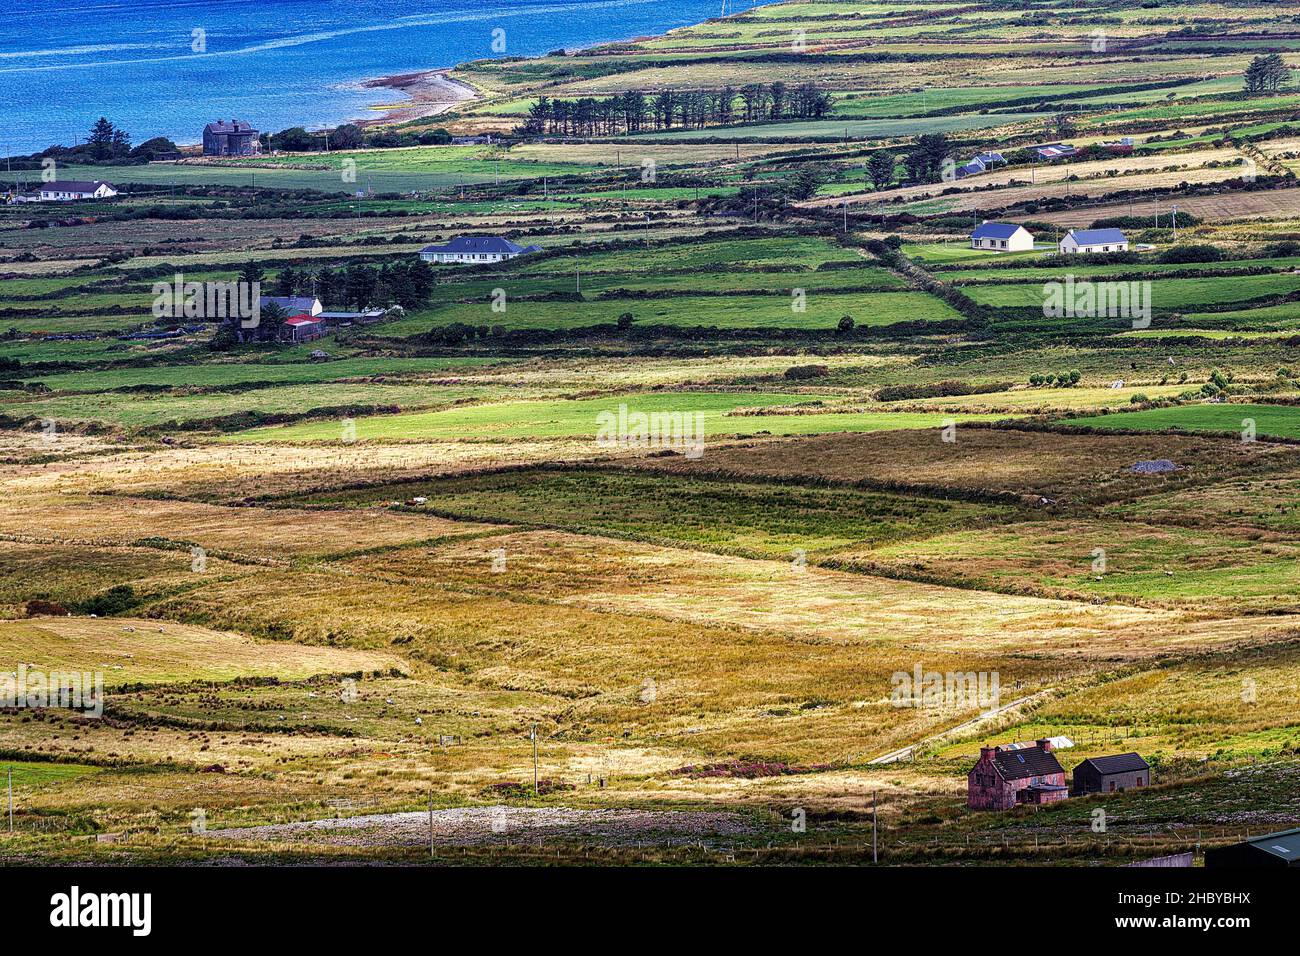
{"points": [[11, 799], [1174, 222], [874, 858], [431, 821], [846, 215], [577, 279], [534, 736]]}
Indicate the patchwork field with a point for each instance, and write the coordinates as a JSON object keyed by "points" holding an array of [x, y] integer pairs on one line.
{"points": [[676, 502]]}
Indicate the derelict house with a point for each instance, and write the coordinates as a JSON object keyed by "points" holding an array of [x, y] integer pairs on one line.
{"points": [[233, 138], [1009, 775]]}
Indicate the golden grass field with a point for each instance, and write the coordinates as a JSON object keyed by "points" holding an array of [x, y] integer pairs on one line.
{"points": [[296, 626]]}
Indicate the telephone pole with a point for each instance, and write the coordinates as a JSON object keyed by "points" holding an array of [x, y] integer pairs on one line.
{"points": [[534, 736], [874, 858]]}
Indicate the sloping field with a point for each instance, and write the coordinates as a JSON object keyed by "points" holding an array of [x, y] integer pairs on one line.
{"points": [[1270, 204], [999, 460], [154, 652]]}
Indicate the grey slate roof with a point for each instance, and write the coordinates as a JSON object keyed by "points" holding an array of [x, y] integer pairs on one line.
{"points": [[1028, 762], [994, 230], [74, 186], [1093, 237], [475, 244], [234, 126], [1119, 763], [293, 304]]}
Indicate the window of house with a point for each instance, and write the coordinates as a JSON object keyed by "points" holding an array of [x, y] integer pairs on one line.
{"points": [[1112, 786]]}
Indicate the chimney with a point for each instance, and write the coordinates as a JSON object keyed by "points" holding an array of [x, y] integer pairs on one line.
{"points": [[986, 753], [1044, 744]]}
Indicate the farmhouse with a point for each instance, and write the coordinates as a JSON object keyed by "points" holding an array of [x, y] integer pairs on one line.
{"points": [[69, 190], [1093, 240], [235, 138], [1002, 237], [476, 249], [1109, 774], [1281, 849], [303, 328], [293, 304], [1010, 775]]}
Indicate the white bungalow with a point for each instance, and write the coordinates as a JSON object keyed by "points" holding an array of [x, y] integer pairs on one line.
{"points": [[1001, 237], [1093, 240], [69, 190], [476, 249]]}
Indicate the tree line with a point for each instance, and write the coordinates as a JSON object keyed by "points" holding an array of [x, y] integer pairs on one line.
{"points": [[634, 111]]}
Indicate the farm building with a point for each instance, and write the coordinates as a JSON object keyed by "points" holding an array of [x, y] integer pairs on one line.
{"points": [[234, 138], [1055, 151], [69, 190], [1007, 776], [979, 164], [1110, 774], [1281, 849], [1001, 237], [293, 304], [302, 328], [1093, 240], [476, 249]]}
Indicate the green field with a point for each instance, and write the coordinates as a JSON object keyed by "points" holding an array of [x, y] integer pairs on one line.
{"points": [[1281, 421]]}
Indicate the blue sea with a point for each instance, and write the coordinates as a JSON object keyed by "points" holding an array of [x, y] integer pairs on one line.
{"points": [[167, 68]]}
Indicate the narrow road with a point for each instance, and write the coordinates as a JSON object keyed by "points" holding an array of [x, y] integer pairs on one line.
{"points": [[895, 755]]}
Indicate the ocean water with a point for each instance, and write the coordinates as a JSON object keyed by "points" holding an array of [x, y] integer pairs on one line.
{"points": [[275, 63]]}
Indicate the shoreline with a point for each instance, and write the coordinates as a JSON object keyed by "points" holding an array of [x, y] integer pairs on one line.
{"points": [[429, 93]]}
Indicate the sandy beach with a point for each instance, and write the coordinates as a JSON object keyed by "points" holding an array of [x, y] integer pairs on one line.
{"points": [[429, 92]]}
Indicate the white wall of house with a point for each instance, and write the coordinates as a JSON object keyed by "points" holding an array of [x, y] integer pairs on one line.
{"points": [[1021, 241], [466, 256], [1070, 245], [104, 191]]}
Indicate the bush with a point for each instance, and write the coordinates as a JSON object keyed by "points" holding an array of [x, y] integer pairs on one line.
{"points": [[799, 372], [115, 600], [1190, 253]]}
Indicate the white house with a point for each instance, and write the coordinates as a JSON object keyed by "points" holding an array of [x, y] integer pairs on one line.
{"points": [[75, 189], [1001, 237], [476, 249], [1093, 240]]}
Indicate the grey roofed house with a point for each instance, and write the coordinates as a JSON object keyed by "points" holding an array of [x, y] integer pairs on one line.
{"points": [[476, 249], [1117, 772], [1281, 849], [494, 244], [1096, 237], [1119, 763], [233, 138], [74, 185]]}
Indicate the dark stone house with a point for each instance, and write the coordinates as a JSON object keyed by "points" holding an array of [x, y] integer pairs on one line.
{"points": [[1111, 774], [233, 138], [1009, 775]]}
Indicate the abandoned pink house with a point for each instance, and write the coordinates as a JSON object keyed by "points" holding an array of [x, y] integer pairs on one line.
{"points": [[1012, 774]]}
